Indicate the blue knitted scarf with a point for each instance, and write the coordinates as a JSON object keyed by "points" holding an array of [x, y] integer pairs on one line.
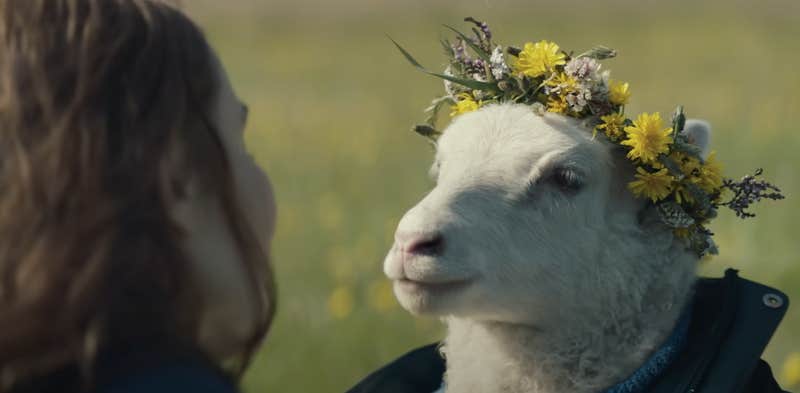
{"points": [[661, 359]]}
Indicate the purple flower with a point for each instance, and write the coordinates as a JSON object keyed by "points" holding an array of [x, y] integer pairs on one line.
{"points": [[485, 36], [748, 191]]}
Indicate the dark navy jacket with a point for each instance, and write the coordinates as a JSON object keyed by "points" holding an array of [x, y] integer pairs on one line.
{"points": [[163, 374], [140, 369], [732, 321]]}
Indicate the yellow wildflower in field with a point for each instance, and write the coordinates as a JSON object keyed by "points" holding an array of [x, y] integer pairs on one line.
{"points": [[341, 302], [557, 105], [656, 185], [341, 263], [612, 126], [539, 58], [647, 138], [330, 212], [465, 103], [618, 92], [709, 176], [791, 370]]}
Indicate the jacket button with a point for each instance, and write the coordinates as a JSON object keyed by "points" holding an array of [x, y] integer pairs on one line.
{"points": [[772, 300]]}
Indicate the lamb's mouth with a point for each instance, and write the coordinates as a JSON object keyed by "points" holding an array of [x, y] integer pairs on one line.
{"points": [[432, 288]]}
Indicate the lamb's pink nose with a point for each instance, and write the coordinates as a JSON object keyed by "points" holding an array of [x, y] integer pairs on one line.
{"points": [[417, 243]]}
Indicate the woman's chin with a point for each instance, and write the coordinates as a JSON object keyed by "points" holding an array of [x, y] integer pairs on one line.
{"points": [[225, 335]]}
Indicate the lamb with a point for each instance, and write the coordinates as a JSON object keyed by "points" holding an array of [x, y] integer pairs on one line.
{"points": [[549, 274]]}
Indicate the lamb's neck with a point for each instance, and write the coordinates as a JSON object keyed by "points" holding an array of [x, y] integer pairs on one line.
{"points": [[491, 357]]}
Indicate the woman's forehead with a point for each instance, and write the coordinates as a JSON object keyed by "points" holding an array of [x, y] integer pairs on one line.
{"points": [[226, 96]]}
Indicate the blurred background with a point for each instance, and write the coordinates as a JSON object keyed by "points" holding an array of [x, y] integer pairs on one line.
{"points": [[332, 103]]}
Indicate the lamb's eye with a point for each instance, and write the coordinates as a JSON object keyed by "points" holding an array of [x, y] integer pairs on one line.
{"points": [[567, 180]]}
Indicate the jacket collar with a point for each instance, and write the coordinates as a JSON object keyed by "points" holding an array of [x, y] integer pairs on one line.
{"points": [[732, 322], [660, 360]]}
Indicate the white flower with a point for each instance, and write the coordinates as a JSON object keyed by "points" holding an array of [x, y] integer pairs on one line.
{"points": [[479, 77], [583, 68], [449, 87], [578, 99], [498, 63]]}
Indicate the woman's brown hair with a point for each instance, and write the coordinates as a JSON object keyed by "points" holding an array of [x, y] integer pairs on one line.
{"points": [[104, 119]]}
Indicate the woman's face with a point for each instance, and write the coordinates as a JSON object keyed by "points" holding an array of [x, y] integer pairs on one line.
{"points": [[253, 186], [230, 315]]}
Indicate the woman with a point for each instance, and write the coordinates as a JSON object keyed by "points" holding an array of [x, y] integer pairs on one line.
{"points": [[134, 227]]}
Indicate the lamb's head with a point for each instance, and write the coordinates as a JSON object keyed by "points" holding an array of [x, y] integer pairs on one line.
{"points": [[530, 222]]}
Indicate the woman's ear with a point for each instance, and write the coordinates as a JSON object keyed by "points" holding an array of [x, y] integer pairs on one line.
{"points": [[699, 134]]}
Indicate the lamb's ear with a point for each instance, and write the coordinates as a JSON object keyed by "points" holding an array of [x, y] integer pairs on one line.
{"points": [[699, 134]]}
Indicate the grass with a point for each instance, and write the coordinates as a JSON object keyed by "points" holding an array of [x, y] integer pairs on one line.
{"points": [[333, 103]]}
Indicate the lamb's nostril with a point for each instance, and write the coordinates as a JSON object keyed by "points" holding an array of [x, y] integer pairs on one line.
{"points": [[432, 244]]}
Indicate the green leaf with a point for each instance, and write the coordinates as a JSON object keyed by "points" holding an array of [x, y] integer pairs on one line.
{"points": [[678, 122], [448, 49], [439, 102], [472, 84], [478, 50], [672, 166], [702, 200], [599, 53], [435, 107], [687, 148], [407, 55]]}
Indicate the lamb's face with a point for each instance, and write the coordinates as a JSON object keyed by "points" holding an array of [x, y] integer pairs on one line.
{"points": [[516, 220]]}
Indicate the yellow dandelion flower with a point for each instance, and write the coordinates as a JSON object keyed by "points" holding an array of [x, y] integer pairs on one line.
{"points": [[539, 58], [341, 302], [557, 105], [791, 369], [656, 185], [647, 138], [612, 126], [618, 92], [564, 82], [709, 175], [562, 85], [688, 164], [465, 103]]}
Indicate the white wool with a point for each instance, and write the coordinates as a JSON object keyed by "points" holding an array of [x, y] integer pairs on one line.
{"points": [[566, 292]]}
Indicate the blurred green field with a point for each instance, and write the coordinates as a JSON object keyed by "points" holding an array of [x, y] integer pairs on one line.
{"points": [[332, 103]]}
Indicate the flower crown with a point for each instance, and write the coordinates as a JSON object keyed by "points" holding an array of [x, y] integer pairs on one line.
{"points": [[685, 187]]}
